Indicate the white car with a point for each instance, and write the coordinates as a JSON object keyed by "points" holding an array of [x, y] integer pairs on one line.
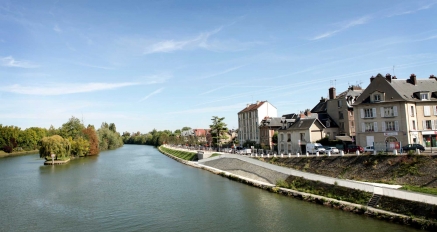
{"points": [[369, 149], [333, 150]]}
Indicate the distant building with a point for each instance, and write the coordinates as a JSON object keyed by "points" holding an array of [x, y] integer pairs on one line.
{"points": [[395, 110], [249, 120], [269, 125]]}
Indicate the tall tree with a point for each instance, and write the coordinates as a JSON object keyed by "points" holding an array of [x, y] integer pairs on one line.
{"points": [[218, 130], [55, 145], [73, 128], [185, 128], [91, 135]]}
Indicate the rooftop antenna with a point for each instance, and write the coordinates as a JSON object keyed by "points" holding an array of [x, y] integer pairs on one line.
{"points": [[335, 83], [394, 70]]}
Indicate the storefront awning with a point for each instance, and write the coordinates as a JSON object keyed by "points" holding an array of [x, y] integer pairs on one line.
{"points": [[344, 138]]}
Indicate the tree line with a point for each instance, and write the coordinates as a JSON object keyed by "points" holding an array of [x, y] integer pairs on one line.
{"points": [[71, 139]]}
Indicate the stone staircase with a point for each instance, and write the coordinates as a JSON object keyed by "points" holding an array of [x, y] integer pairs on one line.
{"points": [[374, 200]]}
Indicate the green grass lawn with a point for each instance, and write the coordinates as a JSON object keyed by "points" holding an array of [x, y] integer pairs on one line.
{"points": [[427, 190], [185, 155]]}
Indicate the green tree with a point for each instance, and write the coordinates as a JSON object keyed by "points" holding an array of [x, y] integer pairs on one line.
{"points": [[79, 147], [73, 128], [218, 130], [185, 128], [55, 145]]}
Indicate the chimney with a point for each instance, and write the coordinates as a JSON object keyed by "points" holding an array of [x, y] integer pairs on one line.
{"points": [[432, 77], [372, 78], [394, 77], [332, 93], [247, 105], [257, 102], [302, 114], [413, 79], [322, 99], [388, 77], [308, 113]]}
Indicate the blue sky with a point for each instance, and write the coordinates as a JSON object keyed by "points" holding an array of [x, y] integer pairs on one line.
{"points": [[170, 64]]}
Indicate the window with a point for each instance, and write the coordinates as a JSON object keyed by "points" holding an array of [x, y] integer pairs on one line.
{"points": [[302, 136], [435, 110], [424, 96], [369, 126], [341, 125], [328, 134], [352, 123], [390, 126], [288, 137], [369, 113], [282, 137], [426, 110], [377, 97], [390, 111], [412, 111], [328, 123], [339, 103], [340, 115], [413, 124], [428, 125]]}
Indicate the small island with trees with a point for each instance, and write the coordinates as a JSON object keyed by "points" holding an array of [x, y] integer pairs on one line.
{"points": [[71, 140]]}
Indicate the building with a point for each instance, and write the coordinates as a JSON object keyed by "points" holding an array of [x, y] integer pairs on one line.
{"points": [[337, 111], [307, 128], [249, 120], [395, 110], [268, 127]]}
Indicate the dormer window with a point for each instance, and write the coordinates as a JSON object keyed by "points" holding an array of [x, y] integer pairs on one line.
{"points": [[328, 123], [377, 97], [424, 96]]}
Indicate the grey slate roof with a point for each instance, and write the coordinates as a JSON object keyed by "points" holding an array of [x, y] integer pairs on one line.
{"points": [[304, 124], [398, 89]]}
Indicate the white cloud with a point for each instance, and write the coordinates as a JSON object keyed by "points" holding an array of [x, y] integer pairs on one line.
{"points": [[214, 109], [9, 61], [405, 12], [151, 94], [222, 72], [344, 26], [168, 46], [62, 89], [157, 79]]}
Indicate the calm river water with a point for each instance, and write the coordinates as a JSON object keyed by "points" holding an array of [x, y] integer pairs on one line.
{"points": [[136, 188]]}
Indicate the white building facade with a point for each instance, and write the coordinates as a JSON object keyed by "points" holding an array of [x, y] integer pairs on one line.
{"points": [[249, 120]]}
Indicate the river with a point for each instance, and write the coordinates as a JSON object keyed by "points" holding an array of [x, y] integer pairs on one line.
{"points": [[136, 188]]}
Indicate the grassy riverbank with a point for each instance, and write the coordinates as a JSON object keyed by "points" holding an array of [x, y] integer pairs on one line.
{"points": [[4, 154], [185, 155]]}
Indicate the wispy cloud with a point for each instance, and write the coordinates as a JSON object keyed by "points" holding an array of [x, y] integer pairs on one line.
{"points": [[62, 89], [222, 72], [168, 46], [344, 26], [157, 79], [214, 109], [151, 94], [405, 12], [57, 29], [9, 61]]}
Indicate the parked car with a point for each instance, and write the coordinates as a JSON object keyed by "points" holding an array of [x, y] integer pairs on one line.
{"points": [[353, 149], [413, 147], [333, 150], [369, 149]]}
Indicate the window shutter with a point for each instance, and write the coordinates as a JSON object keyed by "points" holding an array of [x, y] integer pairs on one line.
{"points": [[395, 111], [363, 127], [374, 112], [424, 125], [432, 125], [375, 125], [426, 111], [412, 125], [362, 113], [382, 112], [383, 126], [435, 110], [396, 126]]}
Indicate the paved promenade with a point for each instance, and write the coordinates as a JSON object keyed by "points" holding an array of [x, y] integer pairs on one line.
{"points": [[233, 162]]}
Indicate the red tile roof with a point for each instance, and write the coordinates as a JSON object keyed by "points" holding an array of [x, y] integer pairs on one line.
{"points": [[252, 107]]}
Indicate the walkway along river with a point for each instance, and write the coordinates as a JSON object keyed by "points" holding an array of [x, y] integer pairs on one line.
{"points": [[136, 188]]}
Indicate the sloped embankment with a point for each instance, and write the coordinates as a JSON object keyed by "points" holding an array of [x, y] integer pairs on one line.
{"points": [[414, 170]]}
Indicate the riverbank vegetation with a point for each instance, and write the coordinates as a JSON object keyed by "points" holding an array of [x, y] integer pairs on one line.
{"points": [[71, 139], [185, 155]]}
